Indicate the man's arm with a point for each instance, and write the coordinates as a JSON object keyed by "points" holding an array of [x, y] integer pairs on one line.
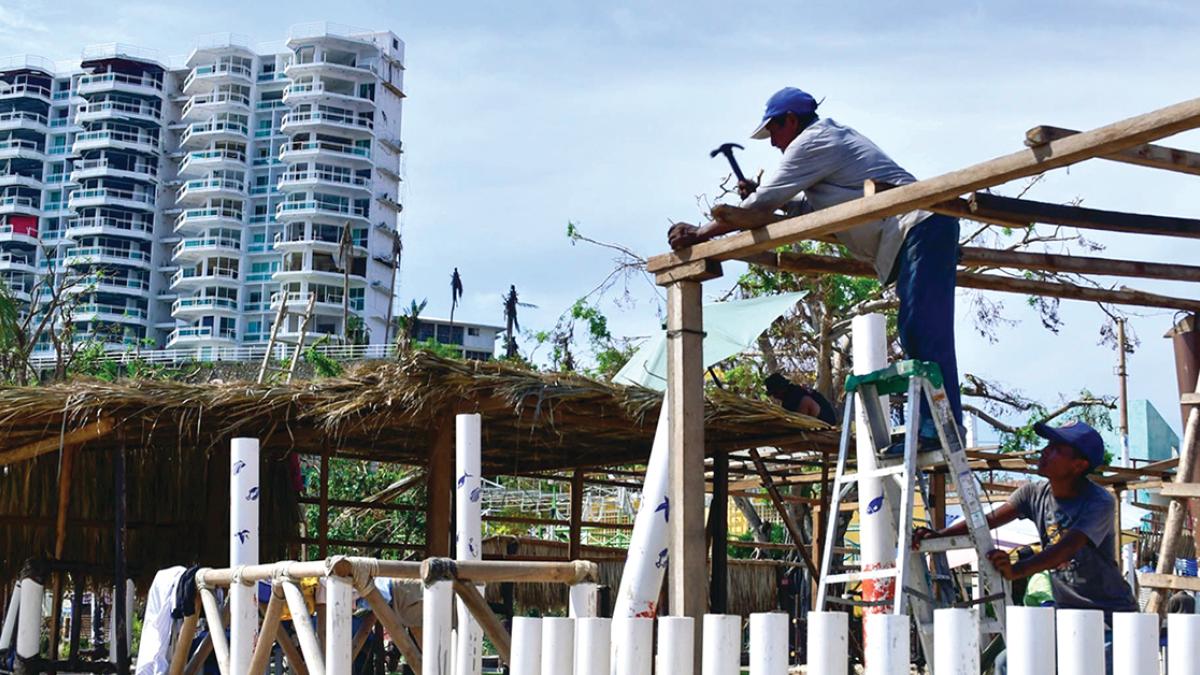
{"points": [[1003, 515], [1052, 557]]}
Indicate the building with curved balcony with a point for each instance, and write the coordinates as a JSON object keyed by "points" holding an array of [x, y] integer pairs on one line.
{"points": [[184, 202]]}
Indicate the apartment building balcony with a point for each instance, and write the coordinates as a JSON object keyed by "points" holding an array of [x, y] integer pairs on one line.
{"points": [[200, 190], [86, 226], [198, 305], [301, 180], [17, 205], [8, 180], [349, 67], [322, 92], [321, 237], [191, 250], [26, 90], [329, 276], [191, 278], [199, 107], [18, 233], [196, 336], [104, 110], [118, 140], [95, 311], [26, 121], [201, 162], [96, 197], [329, 304], [103, 167], [194, 221], [310, 209], [111, 283], [201, 134], [325, 151], [100, 83], [64, 124], [21, 148], [320, 121], [17, 263], [206, 77], [106, 255]]}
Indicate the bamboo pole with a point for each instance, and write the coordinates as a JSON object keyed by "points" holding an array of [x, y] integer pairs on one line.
{"points": [[294, 658], [488, 571], [195, 663], [183, 643], [784, 514], [391, 623], [310, 647], [266, 635], [216, 629], [1153, 156], [486, 617], [90, 432]]}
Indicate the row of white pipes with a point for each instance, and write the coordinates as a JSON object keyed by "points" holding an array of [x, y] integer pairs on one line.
{"points": [[1041, 640]]}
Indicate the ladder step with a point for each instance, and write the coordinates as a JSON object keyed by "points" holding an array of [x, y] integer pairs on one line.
{"points": [[850, 577], [948, 544], [874, 473]]}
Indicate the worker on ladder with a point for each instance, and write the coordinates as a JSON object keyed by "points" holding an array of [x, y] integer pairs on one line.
{"points": [[1074, 518], [918, 251]]}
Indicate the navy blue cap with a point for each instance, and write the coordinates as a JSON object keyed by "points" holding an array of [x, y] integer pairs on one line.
{"points": [[786, 100], [1078, 435]]}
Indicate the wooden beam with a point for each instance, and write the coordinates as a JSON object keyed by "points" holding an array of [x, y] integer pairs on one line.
{"points": [[1189, 399], [323, 506], [688, 568], [1105, 140], [439, 492], [89, 432], [1028, 211], [974, 256], [718, 534], [784, 514], [575, 529], [808, 263], [1153, 156], [1181, 490], [1169, 582]]}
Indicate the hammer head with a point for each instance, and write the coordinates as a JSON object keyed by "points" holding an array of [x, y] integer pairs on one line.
{"points": [[725, 149]]}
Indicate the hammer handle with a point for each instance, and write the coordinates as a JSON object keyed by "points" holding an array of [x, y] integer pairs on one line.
{"points": [[737, 170]]}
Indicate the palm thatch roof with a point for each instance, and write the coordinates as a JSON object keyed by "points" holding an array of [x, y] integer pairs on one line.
{"points": [[176, 436]]}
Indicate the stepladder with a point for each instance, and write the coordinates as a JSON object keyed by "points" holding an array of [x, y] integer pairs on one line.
{"points": [[922, 578]]}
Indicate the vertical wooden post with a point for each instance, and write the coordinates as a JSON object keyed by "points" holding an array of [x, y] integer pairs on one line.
{"points": [[820, 516], [718, 517], [685, 383], [65, 472], [120, 639], [439, 492], [323, 509], [937, 501], [575, 536]]}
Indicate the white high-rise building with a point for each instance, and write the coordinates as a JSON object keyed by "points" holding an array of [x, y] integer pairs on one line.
{"points": [[191, 198]]}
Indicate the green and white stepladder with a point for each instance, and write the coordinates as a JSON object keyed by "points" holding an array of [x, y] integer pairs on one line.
{"points": [[923, 581]]}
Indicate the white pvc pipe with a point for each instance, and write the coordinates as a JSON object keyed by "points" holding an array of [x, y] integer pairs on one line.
{"points": [[593, 644], [876, 532], [10, 618], [1030, 640], [633, 646], [676, 645], [339, 635], [437, 607], [769, 643], [956, 636], [887, 646], [1183, 644], [1080, 641], [468, 650], [244, 487], [584, 600], [526, 658], [828, 643], [722, 646], [558, 645], [646, 563], [29, 622], [1135, 643]]}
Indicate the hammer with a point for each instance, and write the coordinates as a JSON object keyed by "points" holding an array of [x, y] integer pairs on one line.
{"points": [[727, 150]]}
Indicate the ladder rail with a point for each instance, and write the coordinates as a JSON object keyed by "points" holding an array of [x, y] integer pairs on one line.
{"points": [[904, 536], [266, 362], [834, 504]]}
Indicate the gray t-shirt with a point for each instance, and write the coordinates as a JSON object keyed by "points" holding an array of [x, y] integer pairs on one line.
{"points": [[1091, 579]]}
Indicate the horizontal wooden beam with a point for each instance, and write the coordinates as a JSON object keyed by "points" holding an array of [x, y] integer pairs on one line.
{"points": [[1153, 156], [89, 432], [1105, 140], [1189, 399], [807, 263], [1183, 490], [974, 256], [1169, 581], [990, 207]]}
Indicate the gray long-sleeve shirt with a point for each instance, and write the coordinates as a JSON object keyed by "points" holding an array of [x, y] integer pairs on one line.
{"points": [[829, 163]]}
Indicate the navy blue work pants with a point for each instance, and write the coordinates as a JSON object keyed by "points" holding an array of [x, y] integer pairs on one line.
{"points": [[925, 273]]}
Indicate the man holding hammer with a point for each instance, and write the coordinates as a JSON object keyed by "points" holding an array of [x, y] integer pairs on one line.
{"points": [[918, 251]]}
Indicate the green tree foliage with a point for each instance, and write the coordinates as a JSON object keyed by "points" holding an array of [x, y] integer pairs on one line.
{"points": [[356, 480]]}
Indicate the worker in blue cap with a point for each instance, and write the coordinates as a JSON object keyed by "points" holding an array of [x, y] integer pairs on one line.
{"points": [[826, 163], [1075, 523]]}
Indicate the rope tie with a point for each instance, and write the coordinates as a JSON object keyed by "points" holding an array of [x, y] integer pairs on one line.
{"points": [[237, 576]]}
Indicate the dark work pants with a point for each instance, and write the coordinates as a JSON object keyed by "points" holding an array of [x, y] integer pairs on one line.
{"points": [[925, 272]]}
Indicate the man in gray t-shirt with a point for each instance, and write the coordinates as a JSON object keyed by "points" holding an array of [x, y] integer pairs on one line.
{"points": [[1075, 521]]}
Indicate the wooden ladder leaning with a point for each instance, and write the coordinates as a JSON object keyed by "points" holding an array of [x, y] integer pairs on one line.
{"points": [[268, 371]]}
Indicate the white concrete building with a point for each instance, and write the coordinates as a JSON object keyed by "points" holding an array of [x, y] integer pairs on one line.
{"points": [[193, 195], [475, 340]]}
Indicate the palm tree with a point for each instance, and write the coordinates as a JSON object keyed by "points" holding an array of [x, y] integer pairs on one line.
{"points": [[511, 303], [456, 293], [409, 322]]}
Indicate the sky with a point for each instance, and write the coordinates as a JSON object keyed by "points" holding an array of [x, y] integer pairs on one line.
{"points": [[522, 117]]}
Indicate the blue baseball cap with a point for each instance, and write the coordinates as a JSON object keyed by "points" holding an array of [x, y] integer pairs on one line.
{"points": [[1078, 435], [786, 100]]}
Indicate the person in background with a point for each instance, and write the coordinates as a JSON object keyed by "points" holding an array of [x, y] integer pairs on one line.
{"points": [[798, 398]]}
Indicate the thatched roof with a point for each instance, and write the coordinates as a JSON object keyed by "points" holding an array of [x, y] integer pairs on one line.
{"points": [[389, 411], [177, 434]]}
